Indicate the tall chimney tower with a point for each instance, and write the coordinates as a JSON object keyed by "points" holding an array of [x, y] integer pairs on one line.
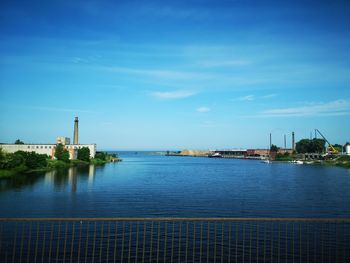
{"points": [[75, 138], [293, 141]]}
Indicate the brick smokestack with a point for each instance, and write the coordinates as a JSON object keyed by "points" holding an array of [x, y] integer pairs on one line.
{"points": [[75, 138], [293, 141]]}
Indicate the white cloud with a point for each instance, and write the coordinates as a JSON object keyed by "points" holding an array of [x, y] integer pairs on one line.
{"points": [[177, 94], [203, 109], [332, 108], [159, 73], [223, 63], [268, 96], [78, 60], [247, 98]]}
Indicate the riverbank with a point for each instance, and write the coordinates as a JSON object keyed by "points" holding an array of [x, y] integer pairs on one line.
{"points": [[338, 161], [342, 161], [29, 162], [51, 165]]}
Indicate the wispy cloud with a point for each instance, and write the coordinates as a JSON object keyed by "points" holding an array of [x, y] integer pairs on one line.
{"points": [[247, 98], [44, 108], [203, 109], [222, 63], [158, 73], [269, 96], [177, 94], [253, 97], [332, 108], [77, 60]]}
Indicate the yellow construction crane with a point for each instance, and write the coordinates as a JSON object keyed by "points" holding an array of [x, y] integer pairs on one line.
{"points": [[331, 149]]}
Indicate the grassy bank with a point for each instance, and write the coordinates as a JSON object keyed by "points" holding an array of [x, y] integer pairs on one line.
{"points": [[342, 161], [51, 165], [30, 162]]}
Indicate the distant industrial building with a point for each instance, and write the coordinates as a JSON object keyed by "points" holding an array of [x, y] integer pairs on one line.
{"points": [[233, 153], [49, 149]]}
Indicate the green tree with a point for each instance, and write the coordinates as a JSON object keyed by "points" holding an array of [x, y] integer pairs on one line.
{"points": [[274, 148], [18, 141], [101, 155], [84, 154], [317, 145], [310, 146], [302, 146], [61, 153], [65, 156], [35, 161], [16, 159], [2, 159]]}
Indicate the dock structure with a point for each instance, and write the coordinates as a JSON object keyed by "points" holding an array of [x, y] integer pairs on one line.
{"points": [[234, 153]]}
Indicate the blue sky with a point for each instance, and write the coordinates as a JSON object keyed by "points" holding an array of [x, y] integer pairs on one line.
{"points": [[174, 74]]}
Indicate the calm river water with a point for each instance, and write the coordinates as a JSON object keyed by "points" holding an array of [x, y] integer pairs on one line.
{"points": [[146, 185]]}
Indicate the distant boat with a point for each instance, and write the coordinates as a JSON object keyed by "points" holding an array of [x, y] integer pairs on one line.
{"points": [[297, 162], [267, 161], [215, 155]]}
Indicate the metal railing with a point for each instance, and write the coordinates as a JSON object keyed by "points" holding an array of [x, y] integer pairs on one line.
{"points": [[174, 240]]}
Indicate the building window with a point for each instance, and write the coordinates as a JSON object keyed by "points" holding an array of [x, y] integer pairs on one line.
{"points": [[28, 147], [41, 147], [37, 147], [45, 147]]}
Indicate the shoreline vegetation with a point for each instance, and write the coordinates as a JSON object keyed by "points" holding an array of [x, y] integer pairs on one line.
{"points": [[20, 162], [331, 160]]}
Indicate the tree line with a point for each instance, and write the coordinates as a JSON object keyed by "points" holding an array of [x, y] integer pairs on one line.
{"points": [[62, 154], [22, 160], [310, 146]]}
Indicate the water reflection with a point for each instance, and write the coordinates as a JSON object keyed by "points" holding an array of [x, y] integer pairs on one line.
{"points": [[92, 171], [61, 180], [20, 181]]}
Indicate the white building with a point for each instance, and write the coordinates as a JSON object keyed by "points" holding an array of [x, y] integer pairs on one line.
{"points": [[63, 140], [347, 148], [37, 148], [48, 149]]}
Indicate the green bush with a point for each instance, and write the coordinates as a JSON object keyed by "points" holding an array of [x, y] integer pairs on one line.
{"points": [[84, 154], [36, 161], [101, 156], [57, 164], [23, 160], [344, 158], [15, 160]]}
